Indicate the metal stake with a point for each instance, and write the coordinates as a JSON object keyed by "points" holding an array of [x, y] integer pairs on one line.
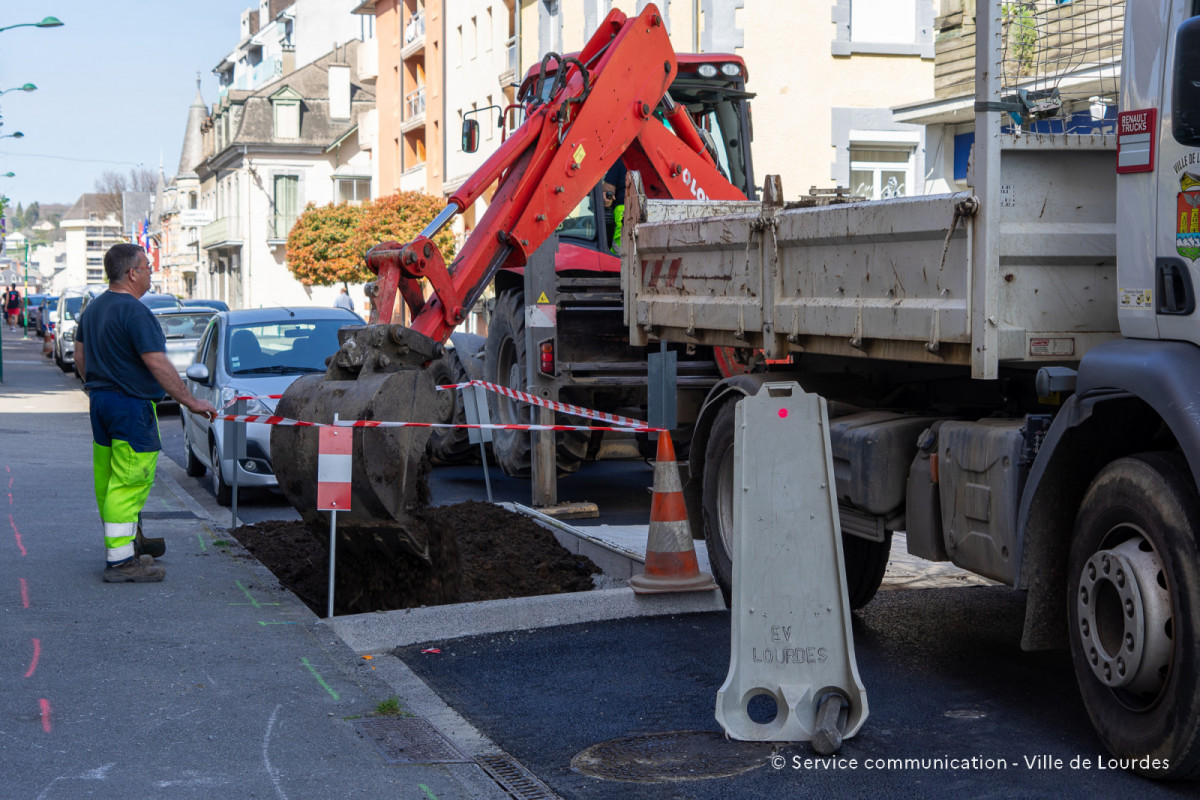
{"points": [[332, 549]]}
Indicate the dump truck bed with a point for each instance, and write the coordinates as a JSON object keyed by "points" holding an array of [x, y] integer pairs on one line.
{"points": [[1030, 279]]}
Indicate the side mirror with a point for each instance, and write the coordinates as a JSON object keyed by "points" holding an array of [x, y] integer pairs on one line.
{"points": [[1185, 93], [197, 373], [470, 135]]}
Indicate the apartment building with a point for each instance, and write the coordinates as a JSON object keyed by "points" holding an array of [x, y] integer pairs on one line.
{"points": [[825, 76], [91, 226], [410, 41], [269, 153]]}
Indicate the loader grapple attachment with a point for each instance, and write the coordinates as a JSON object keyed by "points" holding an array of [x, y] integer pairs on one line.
{"points": [[372, 377]]}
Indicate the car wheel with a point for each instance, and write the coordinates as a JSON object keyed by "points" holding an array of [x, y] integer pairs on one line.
{"points": [[1133, 604], [192, 465], [220, 489]]}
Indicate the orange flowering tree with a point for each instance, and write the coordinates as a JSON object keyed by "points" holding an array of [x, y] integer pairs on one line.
{"points": [[328, 245]]}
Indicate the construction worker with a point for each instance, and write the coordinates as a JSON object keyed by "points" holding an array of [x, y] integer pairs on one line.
{"points": [[120, 352], [614, 205]]}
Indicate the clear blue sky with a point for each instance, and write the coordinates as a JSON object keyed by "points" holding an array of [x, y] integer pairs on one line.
{"points": [[114, 86]]}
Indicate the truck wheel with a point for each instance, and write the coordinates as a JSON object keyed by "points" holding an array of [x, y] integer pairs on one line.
{"points": [[1133, 604], [865, 561], [505, 365], [450, 445]]}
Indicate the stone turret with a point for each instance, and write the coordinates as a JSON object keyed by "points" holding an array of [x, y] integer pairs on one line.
{"points": [[193, 139]]}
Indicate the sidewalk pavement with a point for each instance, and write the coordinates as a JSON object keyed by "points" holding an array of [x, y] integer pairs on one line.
{"points": [[213, 683]]}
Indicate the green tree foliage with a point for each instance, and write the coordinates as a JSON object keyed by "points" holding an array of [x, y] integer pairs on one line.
{"points": [[328, 244]]}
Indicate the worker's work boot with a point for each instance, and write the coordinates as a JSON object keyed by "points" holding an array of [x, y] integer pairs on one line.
{"points": [[153, 546], [135, 570]]}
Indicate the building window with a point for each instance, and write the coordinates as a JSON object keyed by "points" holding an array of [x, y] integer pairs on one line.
{"points": [[94, 244], [883, 27], [287, 204], [286, 105], [879, 173], [883, 21], [352, 190], [287, 120]]}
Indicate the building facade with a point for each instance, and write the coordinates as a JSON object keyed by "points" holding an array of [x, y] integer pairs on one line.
{"points": [[91, 226], [269, 153]]}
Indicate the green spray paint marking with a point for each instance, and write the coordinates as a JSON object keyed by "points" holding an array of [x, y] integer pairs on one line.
{"points": [[320, 680], [428, 793], [200, 538], [250, 597]]}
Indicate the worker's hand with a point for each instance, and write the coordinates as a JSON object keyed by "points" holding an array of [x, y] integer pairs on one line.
{"points": [[202, 407]]}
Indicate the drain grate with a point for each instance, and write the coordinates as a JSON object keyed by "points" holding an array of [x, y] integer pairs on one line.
{"points": [[671, 756], [410, 740], [519, 782]]}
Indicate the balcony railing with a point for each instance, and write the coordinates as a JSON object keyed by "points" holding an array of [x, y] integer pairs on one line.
{"points": [[267, 70], [415, 29], [414, 103], [226, 231]]}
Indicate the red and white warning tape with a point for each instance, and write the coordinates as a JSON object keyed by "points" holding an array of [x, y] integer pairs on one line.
{"points": [[619, 424], [566, 408]]}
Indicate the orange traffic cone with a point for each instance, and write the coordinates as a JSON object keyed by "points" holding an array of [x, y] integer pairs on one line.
{"points": [[670, 554]]}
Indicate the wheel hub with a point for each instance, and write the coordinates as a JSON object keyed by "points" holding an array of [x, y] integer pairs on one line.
{"points": [[1124, 613]]}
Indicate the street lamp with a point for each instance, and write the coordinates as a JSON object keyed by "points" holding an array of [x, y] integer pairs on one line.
{"points": [[16, 135], [48, 22], [29, 87]]}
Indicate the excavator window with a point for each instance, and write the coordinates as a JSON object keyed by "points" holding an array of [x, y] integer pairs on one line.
{"points": [[581, 222]]}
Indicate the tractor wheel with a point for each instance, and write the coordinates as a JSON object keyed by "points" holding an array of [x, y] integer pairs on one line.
{"points": [[865, 561], [1133, 604], [505, 365], [450, 445]]}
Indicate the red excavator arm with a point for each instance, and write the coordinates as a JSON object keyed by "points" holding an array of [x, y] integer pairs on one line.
{"points": [[599, 107]]}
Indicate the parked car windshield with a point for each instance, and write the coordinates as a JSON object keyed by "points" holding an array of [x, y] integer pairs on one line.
{"points": [[282, 347], [178, 325], [73, 304]]}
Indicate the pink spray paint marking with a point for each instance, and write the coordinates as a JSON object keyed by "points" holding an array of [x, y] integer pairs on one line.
{"points": [[37, 654], [45, 704], [24, 593], [783, 413], [16, 534]]}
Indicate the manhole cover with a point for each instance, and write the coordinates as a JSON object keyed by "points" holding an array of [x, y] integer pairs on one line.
{"points": [[410, 740], [671, 756]]}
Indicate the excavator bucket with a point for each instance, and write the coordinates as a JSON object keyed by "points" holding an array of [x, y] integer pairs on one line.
{"points": [[368, 379]]}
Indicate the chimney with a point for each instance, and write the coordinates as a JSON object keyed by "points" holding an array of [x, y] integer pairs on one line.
{"points": [[339, 86], [288, 56]]}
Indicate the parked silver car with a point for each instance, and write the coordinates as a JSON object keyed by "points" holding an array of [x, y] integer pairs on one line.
{"points": [[183, 328], [255, 352], [70, 305]]}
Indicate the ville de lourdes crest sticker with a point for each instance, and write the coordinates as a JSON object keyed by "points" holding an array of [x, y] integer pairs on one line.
{"points": [[1187, 234]]}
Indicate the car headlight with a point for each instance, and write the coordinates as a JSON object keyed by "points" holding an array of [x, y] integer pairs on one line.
{"points": [[253, 406]]}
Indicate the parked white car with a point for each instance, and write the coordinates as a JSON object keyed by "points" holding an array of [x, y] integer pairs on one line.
{"points": [[255, 352]]}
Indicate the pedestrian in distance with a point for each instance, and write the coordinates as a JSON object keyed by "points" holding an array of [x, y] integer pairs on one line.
{"points": [[120, 351], [344, 301], [12, 306]]}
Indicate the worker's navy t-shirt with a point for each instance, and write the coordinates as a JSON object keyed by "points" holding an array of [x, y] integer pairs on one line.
{"points": [[116, 329]]}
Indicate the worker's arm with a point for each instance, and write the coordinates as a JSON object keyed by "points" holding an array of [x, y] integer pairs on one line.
{"points": [[80, 361], [164, 372]]}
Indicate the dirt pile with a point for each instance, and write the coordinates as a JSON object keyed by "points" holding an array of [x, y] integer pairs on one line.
{"points": [[484, 553]]}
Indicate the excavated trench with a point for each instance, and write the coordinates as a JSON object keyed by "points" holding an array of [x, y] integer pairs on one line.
{"points": [[480, 552]]}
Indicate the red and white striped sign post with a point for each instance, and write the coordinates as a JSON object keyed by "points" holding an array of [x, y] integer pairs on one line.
{"points": [[333, 484]]}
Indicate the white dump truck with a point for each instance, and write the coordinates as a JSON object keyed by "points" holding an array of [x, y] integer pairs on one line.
{"points": [[1013, 369]]}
